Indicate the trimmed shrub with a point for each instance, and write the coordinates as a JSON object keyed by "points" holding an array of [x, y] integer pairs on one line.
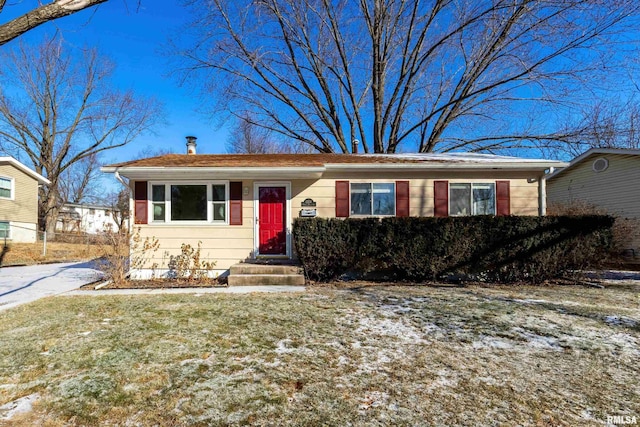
{"points": [[505, 249]]}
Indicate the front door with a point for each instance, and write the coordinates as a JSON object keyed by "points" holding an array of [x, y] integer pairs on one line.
{"points": [[272, 233]]}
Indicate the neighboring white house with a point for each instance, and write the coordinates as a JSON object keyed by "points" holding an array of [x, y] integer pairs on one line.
{"points": [[18, 201], [90, 219]]}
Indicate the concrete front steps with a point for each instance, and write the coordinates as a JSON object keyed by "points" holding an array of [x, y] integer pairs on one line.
{"points": [[260, 274]]}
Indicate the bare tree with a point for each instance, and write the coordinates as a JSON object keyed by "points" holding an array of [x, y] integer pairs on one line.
{"points": [[119, 203], [59, 111], [78, 183], [41, 14], [606, 124], [248, 138], [428, 75]]}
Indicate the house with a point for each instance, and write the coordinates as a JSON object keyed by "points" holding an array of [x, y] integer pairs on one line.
{"points": [[19, 201], [242, 206], [608, 178], [88, 218]]}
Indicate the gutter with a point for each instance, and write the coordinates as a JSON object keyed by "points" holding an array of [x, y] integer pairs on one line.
{"points": [[444, 166]]}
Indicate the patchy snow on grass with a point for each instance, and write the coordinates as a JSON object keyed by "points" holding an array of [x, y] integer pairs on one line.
{"points": [[486, 342], [395, 328], [22, 405], [372, 399], [538, 341], [284, 347], [621, 321]]}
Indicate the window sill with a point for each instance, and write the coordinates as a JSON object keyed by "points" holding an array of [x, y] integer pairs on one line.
{"points": [[371, 216], [187, 224]]}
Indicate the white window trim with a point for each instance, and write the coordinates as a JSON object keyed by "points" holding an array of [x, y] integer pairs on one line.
{"points": [[167, 203], [371, 215], [12, 189], [9, 235], [495, 196]]}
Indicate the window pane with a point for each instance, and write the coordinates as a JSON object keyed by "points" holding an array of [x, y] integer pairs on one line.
{"points": [[384, 199], [188, 202], [218, 193], [460, 199], [5, 187], [157, 192], [360, 199], [4, 230], [219, 213], [158, 211], [484, 199]]}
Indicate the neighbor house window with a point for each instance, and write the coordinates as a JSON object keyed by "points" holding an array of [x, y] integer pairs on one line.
{"points": [[373, 199], [181, 202], [472, 199], [6, 188], [5, 230]]}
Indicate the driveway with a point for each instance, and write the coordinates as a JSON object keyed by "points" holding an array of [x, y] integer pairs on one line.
{"points": [[19, 285]]}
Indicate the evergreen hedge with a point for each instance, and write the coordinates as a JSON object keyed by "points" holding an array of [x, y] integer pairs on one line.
{"points": [[501, 249]]}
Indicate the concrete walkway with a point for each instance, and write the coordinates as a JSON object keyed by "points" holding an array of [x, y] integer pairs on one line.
{"points": [[197, 291], [20, 285]]}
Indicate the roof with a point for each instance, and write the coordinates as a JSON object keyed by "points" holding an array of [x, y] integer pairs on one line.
{"points": [[90, 206], [593, 152], [309, 165], [33, 174]]}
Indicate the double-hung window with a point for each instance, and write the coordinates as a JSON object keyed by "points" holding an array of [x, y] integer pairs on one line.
{"points": [[5, 230], [472, 199], [6, 188], [373, 199], [189, 202], [219, 202]]}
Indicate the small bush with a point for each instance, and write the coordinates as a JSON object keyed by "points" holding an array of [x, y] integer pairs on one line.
{"points": [[497, 249], [189, 265], [122, 252], [626, 231]]}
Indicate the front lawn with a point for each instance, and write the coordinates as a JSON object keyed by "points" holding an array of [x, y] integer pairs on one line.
{"points": [[557, 355]]}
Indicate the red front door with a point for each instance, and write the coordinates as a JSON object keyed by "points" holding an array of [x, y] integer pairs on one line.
{"points": [[272, 217]]}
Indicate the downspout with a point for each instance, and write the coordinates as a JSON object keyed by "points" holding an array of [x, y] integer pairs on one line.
{"points": [[542, 193]]}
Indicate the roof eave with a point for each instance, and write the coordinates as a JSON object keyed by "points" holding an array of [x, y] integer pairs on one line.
{"points": [[437, 166], [41, 179], [591, 152], [159, 172]]}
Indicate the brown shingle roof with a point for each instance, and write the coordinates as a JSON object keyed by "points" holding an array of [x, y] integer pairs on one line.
{"points": [[256, 160], [313, 160]]}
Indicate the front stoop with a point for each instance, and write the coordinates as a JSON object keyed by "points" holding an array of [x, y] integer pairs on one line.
{"points": [[245, 274]]}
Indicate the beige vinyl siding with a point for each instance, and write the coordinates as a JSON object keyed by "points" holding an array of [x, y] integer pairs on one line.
{"points": [[617, 189], [24, 206], [228, 244], [524, 194], [223, 244]]}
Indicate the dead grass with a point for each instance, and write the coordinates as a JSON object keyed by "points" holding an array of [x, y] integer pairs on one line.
{"points": [[31, 253], [557, 355]]}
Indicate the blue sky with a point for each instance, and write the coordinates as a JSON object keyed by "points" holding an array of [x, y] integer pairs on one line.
{"points": [[135, 39]]}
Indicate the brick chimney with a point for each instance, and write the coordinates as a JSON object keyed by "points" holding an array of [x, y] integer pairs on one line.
{"points": [[191, 145]]}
